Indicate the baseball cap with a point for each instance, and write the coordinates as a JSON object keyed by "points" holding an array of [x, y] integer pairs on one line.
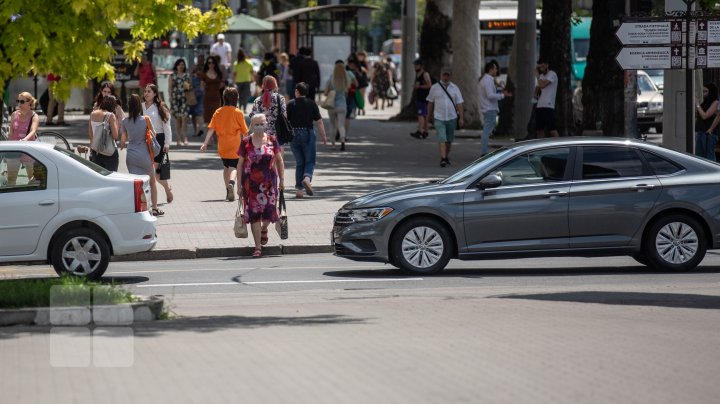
{"points": [[221, 36]]}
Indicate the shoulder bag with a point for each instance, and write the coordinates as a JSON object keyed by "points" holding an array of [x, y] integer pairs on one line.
{"points": [[152, 143], [102, 142], [281, 226], [457, 124], [329, 101], [283, 129]]}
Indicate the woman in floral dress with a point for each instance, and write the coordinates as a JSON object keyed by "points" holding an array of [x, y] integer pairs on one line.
{"points": [[178, 84], [262, 178], [270, 103]]}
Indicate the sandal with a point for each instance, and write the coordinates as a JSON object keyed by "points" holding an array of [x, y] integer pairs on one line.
{"points": [[257, 253], [157, 212], [263, 237]]}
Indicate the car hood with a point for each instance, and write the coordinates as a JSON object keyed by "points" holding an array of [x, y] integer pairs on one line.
{"points": [[390, 196]]}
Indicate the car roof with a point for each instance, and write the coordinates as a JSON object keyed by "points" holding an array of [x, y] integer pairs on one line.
{"points": [[580, 141], [16, 143]]}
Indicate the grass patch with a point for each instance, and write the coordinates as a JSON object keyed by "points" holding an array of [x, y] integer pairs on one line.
{"points": [[59, 292]]}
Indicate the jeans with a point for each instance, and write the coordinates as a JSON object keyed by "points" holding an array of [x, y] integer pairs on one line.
{"points": [[705, 145], [303, 148], [489, 118]]}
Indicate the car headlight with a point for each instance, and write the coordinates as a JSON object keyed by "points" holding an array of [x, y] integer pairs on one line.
{"points": [[369, 215], [655, 106]]}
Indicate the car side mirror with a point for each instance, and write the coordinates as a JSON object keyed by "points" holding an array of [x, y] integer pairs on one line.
{"points": [[491, 181]]}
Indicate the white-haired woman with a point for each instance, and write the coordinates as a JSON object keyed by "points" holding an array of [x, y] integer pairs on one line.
{"points": [[262, 175]]}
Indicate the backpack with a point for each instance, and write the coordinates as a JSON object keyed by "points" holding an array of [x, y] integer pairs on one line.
{"points": [[103, 142]]}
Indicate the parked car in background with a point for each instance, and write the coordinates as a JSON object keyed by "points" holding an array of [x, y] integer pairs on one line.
{"points": [[59, 208], [575, 196], [658, 77]]}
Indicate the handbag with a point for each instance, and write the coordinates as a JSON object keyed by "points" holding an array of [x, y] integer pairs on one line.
{"points": [[165, 167], [359, 100], [281, 226], [457, 123], [190, 97], [392, 93], [152, 143], [283, 129], [102, 141], [240, 227], [329, 102]]}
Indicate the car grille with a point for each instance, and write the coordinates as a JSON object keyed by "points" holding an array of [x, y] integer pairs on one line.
{"points": [[643, 104], [342, 218]]}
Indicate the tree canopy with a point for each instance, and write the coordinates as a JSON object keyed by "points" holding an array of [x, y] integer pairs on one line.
{"points": [[71, 38]]}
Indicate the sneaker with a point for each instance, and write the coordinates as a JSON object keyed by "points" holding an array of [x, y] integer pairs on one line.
{"points": [[416, 134], [298, 193], [425, 135], [308, 187], [447, 161], [342, 146], [442, 163], [230, 195]]}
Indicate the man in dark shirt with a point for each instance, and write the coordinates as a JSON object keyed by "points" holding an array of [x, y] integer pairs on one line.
{"points": [[302, 112], [305, 69]]}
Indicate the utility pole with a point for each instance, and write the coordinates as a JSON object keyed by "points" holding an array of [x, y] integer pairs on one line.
{"points": [[630, 95], [409, 39], [526, 52], [678, 122]]}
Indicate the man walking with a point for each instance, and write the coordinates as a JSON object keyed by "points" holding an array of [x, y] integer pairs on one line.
{"points": [[445, 107], [305, 69], [490, 94], [223, 50], [422, 90], [545, 91]]}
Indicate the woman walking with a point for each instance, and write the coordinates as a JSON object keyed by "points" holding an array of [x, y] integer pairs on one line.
{"points": [[196, 111], [178, 84], [139, 159], [159, 116], [382, 77], [106, 89], [244, 74], [106, 112], [340, 81], [262, 174], [286, 79], [270, 104], [212, 77], [24, 123], [302, 112], [229, 124]]}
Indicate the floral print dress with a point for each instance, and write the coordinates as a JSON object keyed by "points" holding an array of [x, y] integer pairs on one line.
{"points": [[277, 106], [179, 102], [259, 180]]}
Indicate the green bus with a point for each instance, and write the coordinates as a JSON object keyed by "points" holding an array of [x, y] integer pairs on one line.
{"points": [[579, 46]]}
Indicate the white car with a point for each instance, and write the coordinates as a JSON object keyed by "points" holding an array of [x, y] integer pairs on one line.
{"points": [[59, 208]]}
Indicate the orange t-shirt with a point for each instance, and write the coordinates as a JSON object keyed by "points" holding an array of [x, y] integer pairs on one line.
{"points": [[229, 124]]}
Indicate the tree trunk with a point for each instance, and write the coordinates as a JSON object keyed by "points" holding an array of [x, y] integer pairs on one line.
{"points": [[604, 81], [466, 57], [434, 46], [265, 10], [555, 48]]}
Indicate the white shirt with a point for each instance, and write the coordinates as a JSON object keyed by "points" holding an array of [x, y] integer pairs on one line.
{"points": [[158, 125], [222, 51], [443, 109], [547, 96], [489, 94]]}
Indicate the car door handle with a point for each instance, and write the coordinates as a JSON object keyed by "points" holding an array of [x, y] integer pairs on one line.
{"points": [[47, 202], [643, 187], [555, 194]]}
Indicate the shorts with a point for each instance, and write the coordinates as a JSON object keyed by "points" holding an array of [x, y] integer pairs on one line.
{"points": [[229, 163], [421, 107], [545, 119], [445, 130]]}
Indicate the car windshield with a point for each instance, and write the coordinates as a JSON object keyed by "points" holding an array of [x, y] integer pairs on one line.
{"points": [[476, 166], [86, 163]]}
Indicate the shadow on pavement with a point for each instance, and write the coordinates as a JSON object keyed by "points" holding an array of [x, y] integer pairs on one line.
{"points": [[388, 270], [673, 300]]}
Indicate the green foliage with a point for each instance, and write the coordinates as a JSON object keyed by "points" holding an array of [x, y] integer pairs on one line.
{"points": [[70, 38], [20, 293]]}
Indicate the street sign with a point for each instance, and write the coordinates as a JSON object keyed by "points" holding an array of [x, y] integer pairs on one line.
{"points": [[661, 57], [645, 33]]}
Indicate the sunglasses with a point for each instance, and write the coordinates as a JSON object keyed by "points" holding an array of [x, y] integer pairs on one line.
{"points": [[21, 101]]}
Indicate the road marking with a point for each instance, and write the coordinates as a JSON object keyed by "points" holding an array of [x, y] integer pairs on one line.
{"points": [[159, 271], [278, 282]]}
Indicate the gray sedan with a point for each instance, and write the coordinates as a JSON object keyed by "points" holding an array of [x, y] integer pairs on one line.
{"points": [[550, 197]]}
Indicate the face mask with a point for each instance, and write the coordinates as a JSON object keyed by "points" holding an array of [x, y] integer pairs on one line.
{"points": [[259, 128]]}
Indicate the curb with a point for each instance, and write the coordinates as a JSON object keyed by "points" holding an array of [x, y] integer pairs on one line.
{"points": [[149, 309], [184, 254]]}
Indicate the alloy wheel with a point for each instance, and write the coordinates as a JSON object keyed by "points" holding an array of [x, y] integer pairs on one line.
{"points": [[422, 247]]}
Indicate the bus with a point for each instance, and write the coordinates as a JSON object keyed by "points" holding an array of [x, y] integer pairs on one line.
{"points": [[579, 46]]}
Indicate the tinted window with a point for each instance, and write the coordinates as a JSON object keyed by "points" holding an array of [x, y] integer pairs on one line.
{"points": [[535, 167], [21, 172], [611, 162], [660, 166]]}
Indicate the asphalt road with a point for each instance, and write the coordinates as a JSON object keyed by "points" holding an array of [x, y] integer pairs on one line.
{"points": [[318, 329]]}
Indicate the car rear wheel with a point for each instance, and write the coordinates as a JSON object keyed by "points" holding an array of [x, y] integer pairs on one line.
{"points": [[675, 243], [80, 252], [421, 246]]}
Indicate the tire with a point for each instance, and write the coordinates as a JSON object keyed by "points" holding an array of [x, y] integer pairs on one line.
{"points": [[658, 128], [91, 264], [421, 246], [675, 243]]}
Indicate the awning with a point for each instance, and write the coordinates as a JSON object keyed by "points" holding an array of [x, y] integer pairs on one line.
{"points": [[243, 23], [287, 15]]}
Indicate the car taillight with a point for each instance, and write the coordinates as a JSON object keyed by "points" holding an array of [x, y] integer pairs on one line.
{"points": [[140, 199]]}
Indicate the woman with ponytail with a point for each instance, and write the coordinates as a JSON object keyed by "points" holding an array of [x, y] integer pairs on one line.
{"points": [[270, 103]]}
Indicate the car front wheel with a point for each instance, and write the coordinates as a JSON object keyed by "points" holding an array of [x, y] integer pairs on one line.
{"points": [[80, 252], [675, 243], [421, 246]]}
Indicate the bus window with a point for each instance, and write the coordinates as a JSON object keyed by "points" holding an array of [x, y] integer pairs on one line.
{"points": [[580, 49]]}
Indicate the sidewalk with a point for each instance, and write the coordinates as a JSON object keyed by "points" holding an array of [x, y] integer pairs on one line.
{"points": [[380, 154]]}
